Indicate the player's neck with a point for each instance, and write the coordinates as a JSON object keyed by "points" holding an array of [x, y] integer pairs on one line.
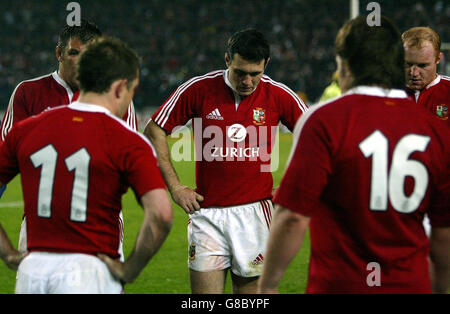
{"points": [[101, 100], [62, 76]]}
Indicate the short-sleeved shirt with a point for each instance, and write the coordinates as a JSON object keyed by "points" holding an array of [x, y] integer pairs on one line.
{"points": [[366, 168], [73, 179], [233, 136], [435, 97], [33, 96]]}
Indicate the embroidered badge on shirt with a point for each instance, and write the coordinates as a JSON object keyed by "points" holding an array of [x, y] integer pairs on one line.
{"points": [[259, 116]]}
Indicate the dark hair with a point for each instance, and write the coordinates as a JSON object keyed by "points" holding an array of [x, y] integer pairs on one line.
{"points": [[374, 54], [250, 44], [104, 61], [85, 32]]}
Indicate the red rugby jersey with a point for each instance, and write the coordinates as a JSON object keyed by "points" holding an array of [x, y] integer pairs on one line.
{"points": [[233, 136], [73, 180], [33, 96], [366, 168], [435, 97]]}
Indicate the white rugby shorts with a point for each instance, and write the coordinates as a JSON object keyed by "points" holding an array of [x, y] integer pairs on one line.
{"points": [[230, 237], [65, 273]]}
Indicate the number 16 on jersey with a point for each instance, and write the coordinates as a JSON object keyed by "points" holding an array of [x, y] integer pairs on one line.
{"points": [[387, 183]]}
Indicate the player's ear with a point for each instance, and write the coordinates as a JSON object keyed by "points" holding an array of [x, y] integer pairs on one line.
{"points": [[59, 53], [119, 87], [227, 59], [439, 57]]}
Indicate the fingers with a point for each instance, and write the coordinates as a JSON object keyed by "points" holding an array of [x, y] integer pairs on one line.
{"points": [[13, 260], [110, 263], [199, 197], [188, 199]]}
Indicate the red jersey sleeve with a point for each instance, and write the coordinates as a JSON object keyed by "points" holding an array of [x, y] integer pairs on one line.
{"points": [[310, 165], [178, 109], [9, 165], [17, 110], [291, 107], [140, 168]]}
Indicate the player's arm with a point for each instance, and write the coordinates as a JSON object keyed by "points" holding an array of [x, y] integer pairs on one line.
{"points": [[155, 227], [184, 196], [286, 237], [440, 259], [291, 107], [8, 253]]}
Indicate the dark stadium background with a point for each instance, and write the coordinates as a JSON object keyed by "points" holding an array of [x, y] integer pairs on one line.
{"points": [[181, 39]]}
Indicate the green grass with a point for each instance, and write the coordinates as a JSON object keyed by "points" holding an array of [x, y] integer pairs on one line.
{"points": [[167, 272]]}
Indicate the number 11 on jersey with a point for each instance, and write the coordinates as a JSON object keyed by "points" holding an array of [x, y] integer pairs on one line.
{"points": [[46, 158]]}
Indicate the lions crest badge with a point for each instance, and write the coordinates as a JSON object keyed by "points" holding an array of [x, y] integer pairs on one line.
{"points": [[259, 116], [442, 111]]}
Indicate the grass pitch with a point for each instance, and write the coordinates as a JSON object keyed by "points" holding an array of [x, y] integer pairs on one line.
{"points": [[167, 272]]}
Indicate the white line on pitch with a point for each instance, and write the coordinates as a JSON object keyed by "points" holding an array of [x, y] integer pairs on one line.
{"points": [[11, 204]]}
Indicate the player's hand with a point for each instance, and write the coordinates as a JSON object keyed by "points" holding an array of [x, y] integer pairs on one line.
{"points": [[115, 266], [13, 259], [187, 198]]}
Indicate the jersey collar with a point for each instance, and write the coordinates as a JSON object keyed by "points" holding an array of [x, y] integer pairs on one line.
{"points": [[377, 91], [434, 82], [88, 107], [61, 82]]}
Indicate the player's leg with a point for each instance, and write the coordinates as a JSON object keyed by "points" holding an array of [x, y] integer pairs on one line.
{"points": [[209, 256], [211, 282], [248, 230], [244, 285]]}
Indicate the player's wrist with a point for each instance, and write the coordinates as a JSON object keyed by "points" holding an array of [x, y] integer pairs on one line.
{"points": [[177, 187]]}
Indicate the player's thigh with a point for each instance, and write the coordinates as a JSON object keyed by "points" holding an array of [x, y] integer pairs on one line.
{"points": [[248, 231], [211, 282], [244, 285], [208, 248]]}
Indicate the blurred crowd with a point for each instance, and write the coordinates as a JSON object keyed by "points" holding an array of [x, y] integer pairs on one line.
{"points": [[178, 39]]}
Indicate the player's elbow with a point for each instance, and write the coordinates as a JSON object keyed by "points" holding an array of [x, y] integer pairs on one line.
{"points": [[154, 132], [165, 217], [163, 213], [291, 221], [158, 208]]}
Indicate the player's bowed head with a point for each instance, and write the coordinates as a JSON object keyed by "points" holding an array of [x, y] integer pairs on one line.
{"points": [[369, 55], [108, 74]]}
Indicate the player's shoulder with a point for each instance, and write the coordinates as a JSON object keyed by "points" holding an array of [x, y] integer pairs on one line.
{"points": [[445, 78], [116, 128], [281, 90], [27, 125], [36, 82], [445, 81], [359, 101], [208, 78], [275, 86]]}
